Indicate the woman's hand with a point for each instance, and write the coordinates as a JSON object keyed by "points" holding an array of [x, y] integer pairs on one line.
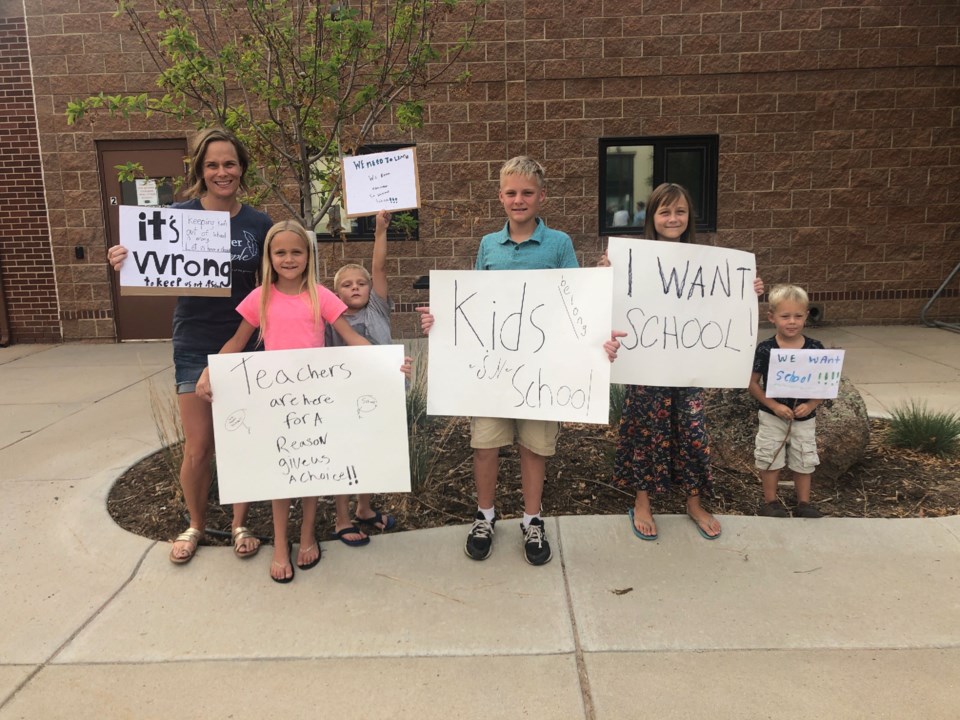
{"points": [[116, 255], [203, 389]]}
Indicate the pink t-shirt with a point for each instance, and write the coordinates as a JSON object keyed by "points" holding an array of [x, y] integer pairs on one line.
{"points": [[290, 319]]}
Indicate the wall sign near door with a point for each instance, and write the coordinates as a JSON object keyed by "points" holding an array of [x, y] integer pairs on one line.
{"points": [[174, 251]]}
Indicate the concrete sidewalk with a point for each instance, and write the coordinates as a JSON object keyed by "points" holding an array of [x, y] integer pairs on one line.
{"points": [[836, 618]]}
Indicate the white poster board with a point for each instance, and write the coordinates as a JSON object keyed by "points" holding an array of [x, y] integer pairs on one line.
{"points": [[808, 374], [299, 423], [174, 251], [689, 311], [520, 344], [380, 181]]}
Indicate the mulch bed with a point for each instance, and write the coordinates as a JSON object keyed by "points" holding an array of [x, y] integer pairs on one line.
{"points": [[888, 483]]}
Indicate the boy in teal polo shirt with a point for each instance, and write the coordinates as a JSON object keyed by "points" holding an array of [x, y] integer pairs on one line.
{"points": [[524, 243]]}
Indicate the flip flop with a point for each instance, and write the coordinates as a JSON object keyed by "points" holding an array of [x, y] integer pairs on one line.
{"points": [[633, 526], [309, 565], [388, 521], [703, 533], [353, 529], [285, 580]]}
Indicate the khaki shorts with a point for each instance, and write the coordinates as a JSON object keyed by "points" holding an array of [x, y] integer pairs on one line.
{"points": [[801, 446], [540, 436]]}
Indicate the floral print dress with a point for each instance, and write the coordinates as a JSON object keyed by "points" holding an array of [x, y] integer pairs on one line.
{"points": [[663, 441]]}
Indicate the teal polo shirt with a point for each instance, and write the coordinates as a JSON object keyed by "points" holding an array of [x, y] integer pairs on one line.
{"points": [[546, 249]]}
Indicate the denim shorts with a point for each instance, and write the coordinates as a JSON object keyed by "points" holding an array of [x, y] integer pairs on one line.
{"points": [[187, 367]]}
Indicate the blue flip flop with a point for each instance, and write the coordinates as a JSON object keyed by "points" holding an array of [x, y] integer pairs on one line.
{"points": [[352, 530], [633, 526], [703, 533]]}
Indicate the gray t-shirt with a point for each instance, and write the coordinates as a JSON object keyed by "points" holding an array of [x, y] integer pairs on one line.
{"points": [[371, 321]]}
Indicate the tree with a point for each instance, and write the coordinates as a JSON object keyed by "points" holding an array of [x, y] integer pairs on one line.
{"points": [[298, 81]]}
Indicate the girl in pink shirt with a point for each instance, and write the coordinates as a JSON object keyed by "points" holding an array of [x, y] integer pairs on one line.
{"points": [[291, 310]]}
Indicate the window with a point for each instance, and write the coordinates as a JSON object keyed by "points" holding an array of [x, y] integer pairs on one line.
{"points": [[362, 228], [630, 168]]}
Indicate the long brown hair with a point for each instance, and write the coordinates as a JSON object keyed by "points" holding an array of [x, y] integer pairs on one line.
{"points": [[668, 194], [201, 142]]}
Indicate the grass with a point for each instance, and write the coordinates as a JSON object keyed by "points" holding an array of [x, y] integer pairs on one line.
{"points": [[916, 427]]}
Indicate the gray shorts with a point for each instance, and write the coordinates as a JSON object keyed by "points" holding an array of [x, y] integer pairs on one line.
{"points": [[799, 453]]}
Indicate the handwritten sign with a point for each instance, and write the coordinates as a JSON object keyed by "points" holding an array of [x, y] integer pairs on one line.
{"points": [[174, 251], [689, 311], [381, 181], [299, 423], [804, 373], [520, 344]]}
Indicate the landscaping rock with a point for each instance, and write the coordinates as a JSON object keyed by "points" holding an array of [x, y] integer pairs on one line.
{"points": [[843, 429]]}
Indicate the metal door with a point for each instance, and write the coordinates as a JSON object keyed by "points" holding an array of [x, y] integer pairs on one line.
{"points": [[138, 317]]}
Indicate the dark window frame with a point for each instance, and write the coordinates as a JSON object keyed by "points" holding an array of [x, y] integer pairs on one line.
{"points": [[367, 225], [663, 146]]}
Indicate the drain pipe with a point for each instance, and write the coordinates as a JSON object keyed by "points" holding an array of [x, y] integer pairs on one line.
{"points": [[4, 321]]}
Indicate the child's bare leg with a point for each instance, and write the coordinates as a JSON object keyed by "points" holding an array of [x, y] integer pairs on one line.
{"points": [[486, 465], [770, 480], [701, 517], [643, 514], [533, 468], [280, 568], [802, 482], [344, 520], [308, 550]]}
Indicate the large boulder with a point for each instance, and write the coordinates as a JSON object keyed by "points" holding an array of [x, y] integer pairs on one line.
{"points": [[843, 429]]}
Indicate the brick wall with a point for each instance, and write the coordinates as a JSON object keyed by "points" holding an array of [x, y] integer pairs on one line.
{"points": [[839, 137], [839, 131], [26, 265]]}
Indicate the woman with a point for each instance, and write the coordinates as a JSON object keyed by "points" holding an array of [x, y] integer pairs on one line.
{"points": [[201, 326]]}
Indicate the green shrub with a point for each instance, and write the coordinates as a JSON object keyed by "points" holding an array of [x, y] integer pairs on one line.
{"points": [[916, 427], [617, 395]]}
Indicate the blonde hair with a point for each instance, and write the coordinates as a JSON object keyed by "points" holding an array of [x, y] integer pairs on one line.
{"points": [[269, 275], [198, 187], [345, 268], [669, 194], [526, 166], [786, 293]]}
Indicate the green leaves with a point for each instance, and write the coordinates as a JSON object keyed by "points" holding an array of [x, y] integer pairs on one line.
{"points": [[296, 81]]}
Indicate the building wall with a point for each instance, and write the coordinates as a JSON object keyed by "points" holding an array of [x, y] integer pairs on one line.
{"points": [[839, 137], [26, 264]]}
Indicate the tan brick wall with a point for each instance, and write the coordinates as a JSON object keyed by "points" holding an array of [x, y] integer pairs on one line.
{"points": [[839, 136], [26, 265]]}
